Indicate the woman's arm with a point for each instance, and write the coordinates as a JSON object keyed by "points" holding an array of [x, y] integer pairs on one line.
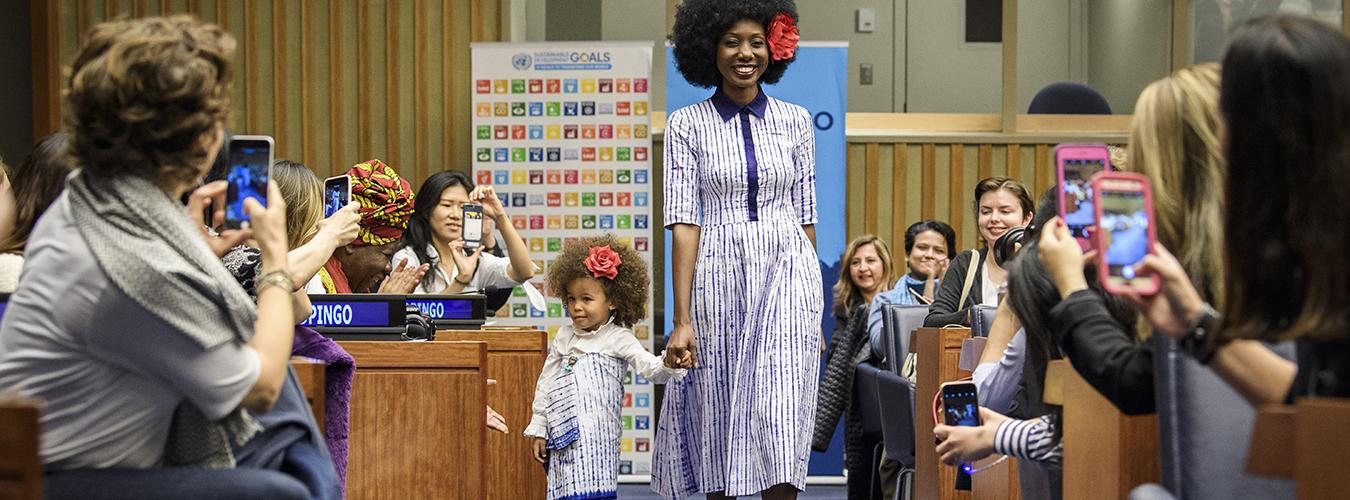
{"points": [[337, 230], [522, 268], [1104, 352], [683, 259], [275, 326], [1257, 373], [945, 311]]}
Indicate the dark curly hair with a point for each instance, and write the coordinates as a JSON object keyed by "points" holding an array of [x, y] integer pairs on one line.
{"points": [[144, 92], [628, 291], [699, 24]]}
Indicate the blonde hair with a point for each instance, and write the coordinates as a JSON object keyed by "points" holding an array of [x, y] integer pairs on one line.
{"points": [[1175, 140], [846, 292], [303, 193]]}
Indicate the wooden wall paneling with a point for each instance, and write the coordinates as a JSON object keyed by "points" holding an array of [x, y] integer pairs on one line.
{"points": [[872, 188], [1044, 176], [929, 181], [46, 69], [337, 129], [403, 64], [365, 62], [855, 179], [309, 98], [420, 92], [986, 161], [350, 149], [458, 64], [886, 197], [955, 199], [899, 219], [1014, 162], [280, 79], [392, 153]]}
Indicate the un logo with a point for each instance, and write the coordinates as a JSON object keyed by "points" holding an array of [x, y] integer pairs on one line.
{"points": [[521, 61]]}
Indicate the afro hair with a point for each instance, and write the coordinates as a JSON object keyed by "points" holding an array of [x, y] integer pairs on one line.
{"points": [[627, 291], [699, 24]]}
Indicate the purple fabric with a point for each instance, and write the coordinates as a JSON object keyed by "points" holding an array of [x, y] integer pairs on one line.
{"points": [[337, 391], [726, 108]]}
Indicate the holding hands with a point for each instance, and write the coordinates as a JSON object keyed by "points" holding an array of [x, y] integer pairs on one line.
{"points": [[682, 347]]}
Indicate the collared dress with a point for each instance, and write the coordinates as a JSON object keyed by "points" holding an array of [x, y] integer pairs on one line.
{"points": [[742, 421], [577, 405]]}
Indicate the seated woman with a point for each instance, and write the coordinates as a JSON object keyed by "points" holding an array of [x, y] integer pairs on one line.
{"points": [[928, 246], [436, 230], [25, 193], [362, 265], [973, 278], [126, 314], [867, 272]]}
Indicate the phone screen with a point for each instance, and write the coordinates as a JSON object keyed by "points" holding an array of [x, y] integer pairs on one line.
{"points": [[1125, 225], [1079, 213], [473, 225], [337, 193], [249, 161], [960, 405]]}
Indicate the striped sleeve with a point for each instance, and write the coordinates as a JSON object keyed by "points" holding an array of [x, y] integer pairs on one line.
{"points": [[804, 193], [681, 172], [1029, 439]]}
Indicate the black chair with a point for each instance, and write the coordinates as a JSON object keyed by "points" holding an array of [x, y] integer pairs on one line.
{"points": [[898, 324], [981, 320], [869, 408], [1068, 98], [896, 398]]}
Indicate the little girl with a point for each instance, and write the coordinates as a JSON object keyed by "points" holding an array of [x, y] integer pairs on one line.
{"points": [[576, 424]]}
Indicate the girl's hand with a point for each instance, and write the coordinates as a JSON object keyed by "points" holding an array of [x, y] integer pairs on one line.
{"points": [[269, 227], [496, 421], [404, 279], [213, 195], [465, 265], [1062, 257], [343, 226], [1171, 310], [540, 446], [487, 197], [682, 347], [964, 444]]}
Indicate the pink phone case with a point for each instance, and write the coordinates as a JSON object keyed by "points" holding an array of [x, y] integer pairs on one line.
{"points": [[1065, 152], [1101, 183]]}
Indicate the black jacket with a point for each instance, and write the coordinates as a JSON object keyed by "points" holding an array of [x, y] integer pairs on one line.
{"points": [[1104, 352], [945, 311]]}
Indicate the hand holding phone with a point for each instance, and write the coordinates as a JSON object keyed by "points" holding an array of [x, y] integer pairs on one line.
{"points": [[250, 165], [1125, 232], [1075, 164], [337, 193], [472, 222]]}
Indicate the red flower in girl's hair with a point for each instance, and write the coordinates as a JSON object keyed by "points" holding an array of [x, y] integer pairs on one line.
{"points": [[783, 37], [603, 262]]}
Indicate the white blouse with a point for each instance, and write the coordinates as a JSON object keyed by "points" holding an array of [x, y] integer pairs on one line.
{"points": [[611, 340], [491, 273]]}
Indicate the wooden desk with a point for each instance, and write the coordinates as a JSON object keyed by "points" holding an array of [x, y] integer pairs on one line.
{"points": [[20, 462], [1311, 436], [1106, 453], [417, 420], [312, 375], [514, 360]]}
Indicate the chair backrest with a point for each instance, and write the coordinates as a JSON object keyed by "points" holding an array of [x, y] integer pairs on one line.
{"points": [[1204, 427], [896, 397], [981, 319], [1068, 98], [865, 394], [898, 323], [20, 463]]}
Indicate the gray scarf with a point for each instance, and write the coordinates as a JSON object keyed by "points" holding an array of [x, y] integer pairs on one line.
{"points": [[149, 248]]}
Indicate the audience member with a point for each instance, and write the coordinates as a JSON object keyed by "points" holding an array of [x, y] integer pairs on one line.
{"points": [[974, 277], [868, 272], [116, 265], [363, 265], [928, 245], [436, 229], [25, 193]]}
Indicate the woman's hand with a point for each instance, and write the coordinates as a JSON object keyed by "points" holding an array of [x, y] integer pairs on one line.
{"points": [[342, 227], [487, 197], [964, 444], [213, 195], [540, 446], [1178, 302], [404, 279], [269, 227], [495, 421], [682, 348], [465, 265], [930, 283], [1062, 257]]}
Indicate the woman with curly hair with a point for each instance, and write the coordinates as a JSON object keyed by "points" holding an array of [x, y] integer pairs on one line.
{"points": [[740, 199], [576, 426]]}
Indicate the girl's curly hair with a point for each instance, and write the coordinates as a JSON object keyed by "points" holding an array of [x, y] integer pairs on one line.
{"points": [[143, 93], [627, 291], [699, 24]]}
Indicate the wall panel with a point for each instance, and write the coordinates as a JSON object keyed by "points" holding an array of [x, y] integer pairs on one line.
{"points": [[335, 82]]}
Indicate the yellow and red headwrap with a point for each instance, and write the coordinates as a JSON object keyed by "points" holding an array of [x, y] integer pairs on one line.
{"points": [[386, 202]]}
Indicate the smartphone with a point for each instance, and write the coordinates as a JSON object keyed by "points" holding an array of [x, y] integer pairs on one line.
{"points": [[337, 193], [1075, 164], [250, 163], [1125, 233], [473, 227], [961, 406]]}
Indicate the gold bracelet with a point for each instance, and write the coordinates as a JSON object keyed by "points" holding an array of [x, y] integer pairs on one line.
{"points": [[280, 278]]}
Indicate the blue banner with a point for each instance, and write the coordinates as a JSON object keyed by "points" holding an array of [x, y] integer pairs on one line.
{"points": [[817, 81]]}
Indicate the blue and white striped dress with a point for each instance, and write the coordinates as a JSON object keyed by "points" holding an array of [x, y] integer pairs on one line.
{"points": [[742, 421]]}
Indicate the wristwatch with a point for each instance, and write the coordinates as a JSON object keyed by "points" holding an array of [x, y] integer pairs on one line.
{"points": [[1197, 341]]}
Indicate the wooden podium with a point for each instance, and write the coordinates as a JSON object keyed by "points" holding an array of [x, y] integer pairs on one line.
{"points": [[1106, 453], [20, 464], [417, 420], [514, 360], [1308, 442]]}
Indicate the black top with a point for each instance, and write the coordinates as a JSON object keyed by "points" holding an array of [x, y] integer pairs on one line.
{"points": [[1104, 352], [1323, 369], [945, 311]]}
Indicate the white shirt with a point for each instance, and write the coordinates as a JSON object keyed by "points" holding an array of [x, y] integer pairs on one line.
{"points": [[491, 273], [10, 267], [611, 340], [988, 289]]}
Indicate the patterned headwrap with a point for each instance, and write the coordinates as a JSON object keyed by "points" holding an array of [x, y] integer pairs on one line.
{"points": [[386, 202]]}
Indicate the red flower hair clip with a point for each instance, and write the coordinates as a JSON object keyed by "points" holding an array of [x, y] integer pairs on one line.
{"points": [[783, 37], [603, 262]]}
